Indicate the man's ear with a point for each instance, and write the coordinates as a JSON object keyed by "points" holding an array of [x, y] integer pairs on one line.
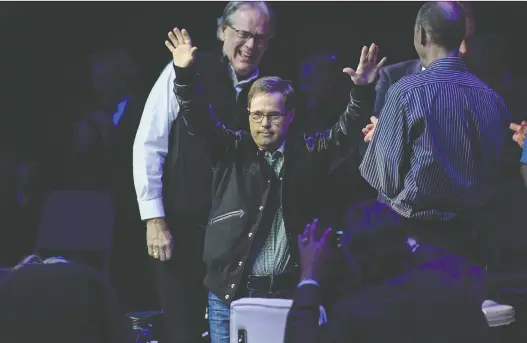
{"points": [[423, 38], [221, 32]]}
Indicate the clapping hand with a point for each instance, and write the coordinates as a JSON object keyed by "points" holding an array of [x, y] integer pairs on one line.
{"points": [[520, 132], [370, 129], [180, 45], [368, 68]]}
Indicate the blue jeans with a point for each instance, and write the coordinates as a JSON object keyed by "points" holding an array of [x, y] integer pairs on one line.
{"points": [[219, 320]]}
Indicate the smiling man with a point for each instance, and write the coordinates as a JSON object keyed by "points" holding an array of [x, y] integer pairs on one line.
{"points": [[173, 178]]}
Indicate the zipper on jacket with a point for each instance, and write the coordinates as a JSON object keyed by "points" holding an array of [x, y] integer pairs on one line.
{"points": [[238, 213]]}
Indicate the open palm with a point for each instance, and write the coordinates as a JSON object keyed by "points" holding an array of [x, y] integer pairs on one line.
{"points": [[180, 45], [368, 68]]}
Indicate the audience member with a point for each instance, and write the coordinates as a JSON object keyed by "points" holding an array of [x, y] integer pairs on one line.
{"points": [[108, 124], [93, 138], [247, 241], [101, 135], [17, 189], [52, 300], [438, 301], [172, 174]]}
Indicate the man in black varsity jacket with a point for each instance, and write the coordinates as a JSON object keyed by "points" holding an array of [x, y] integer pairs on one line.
{"points": [[265, 183]]}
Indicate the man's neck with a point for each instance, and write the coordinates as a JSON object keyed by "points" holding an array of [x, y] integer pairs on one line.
{"points": [[274, 148], [436, 53], [237, 78]]}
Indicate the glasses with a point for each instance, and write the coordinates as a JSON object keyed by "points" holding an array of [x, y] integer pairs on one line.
{"points": [[245, 35], [273, 117]]}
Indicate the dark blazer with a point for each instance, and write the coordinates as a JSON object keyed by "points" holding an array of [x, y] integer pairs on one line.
{"points": [[390, 75], [62, 303], [438, 302]]}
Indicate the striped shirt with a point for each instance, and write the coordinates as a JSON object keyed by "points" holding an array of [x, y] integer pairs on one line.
{"points": [[438, 144], [274, 257]]}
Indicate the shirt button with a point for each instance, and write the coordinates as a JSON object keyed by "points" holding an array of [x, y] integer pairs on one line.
{"points": [[240, 263], [261, 208], [268, 181], [227, 296], [281, 178], [250, 234], [233, 285]]}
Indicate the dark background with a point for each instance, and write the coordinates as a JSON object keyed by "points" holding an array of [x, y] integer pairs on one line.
{"points": [[45, 46]]}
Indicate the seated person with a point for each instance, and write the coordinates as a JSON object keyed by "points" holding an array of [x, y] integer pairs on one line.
{"points": [[55, 301], [438, 300]]}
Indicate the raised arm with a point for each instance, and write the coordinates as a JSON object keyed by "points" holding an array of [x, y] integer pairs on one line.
{"points": [[198, 115], [360, 105]]}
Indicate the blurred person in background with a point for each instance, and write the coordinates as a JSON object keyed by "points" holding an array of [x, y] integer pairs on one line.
{"points": [[94, 154], [103, 139], [52, 300], [17, 200]]}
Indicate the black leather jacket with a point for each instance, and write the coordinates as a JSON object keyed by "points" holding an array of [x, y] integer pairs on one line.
{"points": [[243, 180]]}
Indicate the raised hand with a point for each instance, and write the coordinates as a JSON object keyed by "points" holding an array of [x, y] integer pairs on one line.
{"points": [[315, 254], [180, 45], [368, 68]]}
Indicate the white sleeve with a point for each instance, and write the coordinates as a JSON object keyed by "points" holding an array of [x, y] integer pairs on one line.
{"points": [[151, 145]]}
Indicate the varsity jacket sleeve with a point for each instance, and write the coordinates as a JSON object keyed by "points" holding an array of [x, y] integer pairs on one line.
{"points": [[346, 132], [198, 115]]}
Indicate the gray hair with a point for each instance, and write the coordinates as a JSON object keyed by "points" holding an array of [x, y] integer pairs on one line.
{"points": [[233, 6], [35, 259]]}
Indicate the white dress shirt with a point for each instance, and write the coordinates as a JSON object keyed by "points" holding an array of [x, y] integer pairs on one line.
{"points": [[151, 145], [151, 141]]}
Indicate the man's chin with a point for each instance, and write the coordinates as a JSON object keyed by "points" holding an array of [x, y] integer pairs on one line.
{"points": [[244, 69], [266, 144]]}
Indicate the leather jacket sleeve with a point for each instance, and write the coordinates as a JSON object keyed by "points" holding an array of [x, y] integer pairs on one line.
{"points": [[347, 130], [198, 115]]}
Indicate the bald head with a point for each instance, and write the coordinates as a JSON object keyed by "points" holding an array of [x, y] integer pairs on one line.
{"points": [[444, 23]]}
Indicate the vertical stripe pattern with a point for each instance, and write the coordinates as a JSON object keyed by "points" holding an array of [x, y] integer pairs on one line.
{"points": [[438, 144]]}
